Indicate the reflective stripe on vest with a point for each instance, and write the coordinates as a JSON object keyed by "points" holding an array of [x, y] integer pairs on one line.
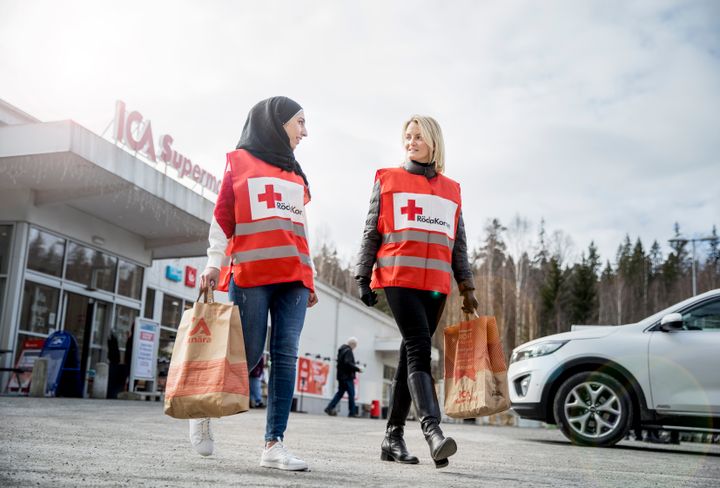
{"points": [[419, 236], [270, 253], [414, 262], [269, 225]]}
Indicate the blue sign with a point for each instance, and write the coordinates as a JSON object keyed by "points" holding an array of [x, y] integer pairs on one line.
{"points": [[173, 274], [61, 351]]}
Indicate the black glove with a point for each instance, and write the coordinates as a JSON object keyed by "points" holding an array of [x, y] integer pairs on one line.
{"points": [[367, 295], [470, 303]]}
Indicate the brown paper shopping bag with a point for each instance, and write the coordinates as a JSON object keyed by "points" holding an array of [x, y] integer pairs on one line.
{"points": [[476, 382], [208, 375]]}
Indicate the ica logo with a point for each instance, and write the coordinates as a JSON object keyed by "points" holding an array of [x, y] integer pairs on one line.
{"points": [[200, 333]]}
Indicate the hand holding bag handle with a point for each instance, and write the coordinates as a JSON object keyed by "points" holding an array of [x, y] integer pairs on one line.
{"points": [[207, 295]]}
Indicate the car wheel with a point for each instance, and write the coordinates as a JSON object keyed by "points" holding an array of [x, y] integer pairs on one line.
{"points": [[593, 409]]}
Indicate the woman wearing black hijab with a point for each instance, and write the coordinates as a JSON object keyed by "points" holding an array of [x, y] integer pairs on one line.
{"points": [[259, 229]]}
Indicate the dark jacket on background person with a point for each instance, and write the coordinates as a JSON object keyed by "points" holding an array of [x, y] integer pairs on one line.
{"points": [[346, 367]]}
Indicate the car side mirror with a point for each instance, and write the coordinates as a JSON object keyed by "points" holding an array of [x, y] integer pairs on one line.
{"points": [[671, 322]]}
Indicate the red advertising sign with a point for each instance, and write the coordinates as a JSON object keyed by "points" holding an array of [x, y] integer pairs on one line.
{"points": [[190, 275], [312, 376], [31, 349]]}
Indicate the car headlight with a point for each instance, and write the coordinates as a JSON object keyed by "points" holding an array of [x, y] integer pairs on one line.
{"points": [[537, 350]]}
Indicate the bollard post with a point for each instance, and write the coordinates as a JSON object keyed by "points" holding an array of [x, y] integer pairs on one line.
{"points": [[38, 380], [100, 384]]}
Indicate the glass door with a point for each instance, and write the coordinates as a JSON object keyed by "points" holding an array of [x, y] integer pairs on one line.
{"points": [[87, 320], [100, 331], [78, 322]]}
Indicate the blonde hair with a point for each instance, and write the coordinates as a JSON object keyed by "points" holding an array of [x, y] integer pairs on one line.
{"points": [[432, 134]]}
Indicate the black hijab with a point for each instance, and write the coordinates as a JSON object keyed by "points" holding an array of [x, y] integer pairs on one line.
{"points": [[264, 135]]}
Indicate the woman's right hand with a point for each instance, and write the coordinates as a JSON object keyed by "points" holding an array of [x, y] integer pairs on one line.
{"points": [[209, 278], [367, 295]]}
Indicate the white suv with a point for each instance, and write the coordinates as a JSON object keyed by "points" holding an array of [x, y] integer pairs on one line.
{"points": [[598, 382]]}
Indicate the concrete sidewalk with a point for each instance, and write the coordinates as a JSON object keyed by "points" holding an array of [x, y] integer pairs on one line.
{"points": [[68, 442]]}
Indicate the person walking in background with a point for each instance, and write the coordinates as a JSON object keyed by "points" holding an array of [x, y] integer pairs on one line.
{"points": [[256, 377], [346, 370], [260, 223], [413, 243]]}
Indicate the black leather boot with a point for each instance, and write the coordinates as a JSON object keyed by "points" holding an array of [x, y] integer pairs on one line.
{"points": [[423, 395], [393, 446]]}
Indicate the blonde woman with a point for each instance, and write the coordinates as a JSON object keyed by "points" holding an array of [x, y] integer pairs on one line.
{"points": [[413, 244]]}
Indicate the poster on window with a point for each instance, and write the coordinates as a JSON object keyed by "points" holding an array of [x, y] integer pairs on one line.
{"points": [[146, 337], [312, 376]]}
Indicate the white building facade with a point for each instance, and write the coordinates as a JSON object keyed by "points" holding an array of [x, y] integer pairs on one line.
{"points": [[93, 236]]}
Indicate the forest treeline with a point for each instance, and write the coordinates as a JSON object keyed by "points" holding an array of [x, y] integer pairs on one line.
{"points": [[535, 285]]}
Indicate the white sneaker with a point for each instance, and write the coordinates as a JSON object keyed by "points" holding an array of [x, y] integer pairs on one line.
{"points": [[201, 436], [279, 457]]}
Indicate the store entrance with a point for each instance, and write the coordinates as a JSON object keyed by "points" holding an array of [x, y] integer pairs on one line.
{"points": [[86, 319]]}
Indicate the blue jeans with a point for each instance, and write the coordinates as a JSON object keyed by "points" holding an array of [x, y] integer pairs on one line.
{"points": [[344, 386], [256, 390], [286, 303]]}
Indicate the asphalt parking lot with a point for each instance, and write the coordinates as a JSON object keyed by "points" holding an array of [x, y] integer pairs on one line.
{"points": [[73, 442]]}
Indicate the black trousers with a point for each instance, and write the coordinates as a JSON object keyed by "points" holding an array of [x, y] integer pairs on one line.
{"points": [[417, 313]]}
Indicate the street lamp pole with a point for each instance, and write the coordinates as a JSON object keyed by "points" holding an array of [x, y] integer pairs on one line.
{"points": [[692, 240]]}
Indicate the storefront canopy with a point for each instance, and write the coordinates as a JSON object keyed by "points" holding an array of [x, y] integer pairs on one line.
{"points": [[62, 163]]}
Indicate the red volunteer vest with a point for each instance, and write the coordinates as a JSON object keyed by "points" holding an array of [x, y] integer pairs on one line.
{"points": [[418, 221], [270, 244]]}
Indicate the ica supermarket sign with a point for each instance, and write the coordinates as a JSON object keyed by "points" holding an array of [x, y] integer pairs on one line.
{"points": [[135, 132]]}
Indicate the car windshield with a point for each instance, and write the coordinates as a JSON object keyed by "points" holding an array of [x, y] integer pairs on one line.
{"points": [[677, 307]]}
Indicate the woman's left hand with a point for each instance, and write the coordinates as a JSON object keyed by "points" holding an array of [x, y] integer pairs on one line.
{"points": [[312, 299], [470, 303]]}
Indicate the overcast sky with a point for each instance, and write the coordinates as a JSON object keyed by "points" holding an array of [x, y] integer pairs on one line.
{"points": [[602, 117]]}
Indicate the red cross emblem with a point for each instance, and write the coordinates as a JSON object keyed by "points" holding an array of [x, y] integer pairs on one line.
{"points": [[270, 196], [411, 210]]}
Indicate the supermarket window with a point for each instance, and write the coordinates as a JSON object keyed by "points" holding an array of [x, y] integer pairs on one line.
{"points": [[45, 252], [131, 278], [2, 294], [172, 310], [124, 321], [39, 308], [90, 267], [5, 237]]}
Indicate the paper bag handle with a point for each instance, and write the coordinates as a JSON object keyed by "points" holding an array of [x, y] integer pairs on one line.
{"points": [[469, 316], [207, 294]]}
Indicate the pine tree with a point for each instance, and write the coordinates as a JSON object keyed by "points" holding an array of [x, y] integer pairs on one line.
{"points": [[550, 295], [712, 263], [583, 293], [541, 254], [622, 279], [606, 296], [639, 280], [492, 252], [675, 268], [713, 258], [655, 258]]}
